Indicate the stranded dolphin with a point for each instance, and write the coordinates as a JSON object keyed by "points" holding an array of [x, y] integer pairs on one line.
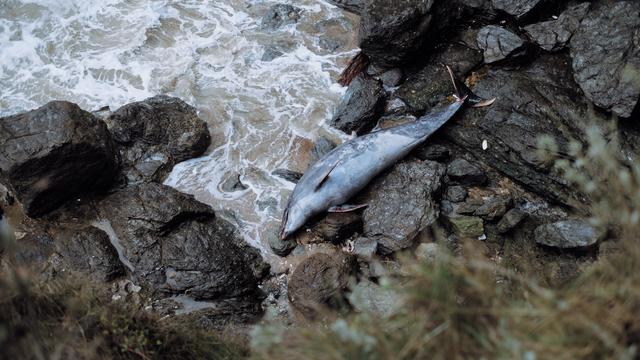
{"points": [[333, 180]]}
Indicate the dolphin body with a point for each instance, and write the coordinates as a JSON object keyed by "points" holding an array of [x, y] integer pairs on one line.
{"points": [[346, 170]]}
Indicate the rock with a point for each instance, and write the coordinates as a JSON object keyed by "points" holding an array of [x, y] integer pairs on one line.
{"points": [[289, 175], [281, 247], [277, 49], [510, 220], [365, 248], [568, 234], [455, 193], [554, 35], [176, 245], [463, 172], [155, 134], [280, 15], [494, 207], [466, 227], [88, 250], [319, 281], [353, 6], [53, 154], [432, 152], [372, 298], [429, 86], [606, 56], [361, 106], [517, 8], [539, 98], [401, 204], [427, 251], [498, 43], [389, 33], [232, 184], [337, 227], [392, 78]]}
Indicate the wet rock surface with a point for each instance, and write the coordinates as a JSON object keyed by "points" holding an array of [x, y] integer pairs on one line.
{"points": [[361, 107], [402, 203], [517, 8], [53, 154], [606, 56], [354, 6], [155, 134]]}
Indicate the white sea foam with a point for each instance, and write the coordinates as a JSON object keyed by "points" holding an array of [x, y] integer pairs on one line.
{"points": [[208, 53]]}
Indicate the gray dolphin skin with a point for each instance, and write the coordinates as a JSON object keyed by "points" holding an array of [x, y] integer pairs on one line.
{"points": [[329, 183]]}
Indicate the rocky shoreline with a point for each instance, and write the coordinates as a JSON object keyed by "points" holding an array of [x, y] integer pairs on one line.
{"points": [[84, 190]]}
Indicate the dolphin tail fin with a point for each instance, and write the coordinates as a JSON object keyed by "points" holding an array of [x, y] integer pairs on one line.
{"points": [[463, 93]]}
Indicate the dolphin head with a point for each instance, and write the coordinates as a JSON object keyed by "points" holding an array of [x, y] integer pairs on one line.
{"points": [[294, 218]]}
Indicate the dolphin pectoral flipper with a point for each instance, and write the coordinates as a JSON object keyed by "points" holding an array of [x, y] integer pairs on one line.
{"points": [[346, 208], [325, 176]]}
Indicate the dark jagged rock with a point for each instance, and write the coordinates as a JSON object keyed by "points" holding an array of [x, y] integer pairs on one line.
{"points": [[390, 32], [155, 134], [510, 220], [289, 175], [401, 204], [554, 35], [461, 171], [55, 153], [606, 56], [280, 15], [498, 43], [176, 245], [568, 234], [517, 8], [88, 250], [431, 85], [538, 99], [320, 281], [361, 106], [353, 6]]}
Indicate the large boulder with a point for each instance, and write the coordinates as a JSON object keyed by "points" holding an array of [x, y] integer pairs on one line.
{"points": [[361, 106], [401, 204], [606, 56], [390, 31], [55, 153], [535, 100], [319, 281], [176, 245], [155, 134]]}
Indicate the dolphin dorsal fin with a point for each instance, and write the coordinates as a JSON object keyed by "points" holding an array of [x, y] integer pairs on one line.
{"points": [[325, 177]]}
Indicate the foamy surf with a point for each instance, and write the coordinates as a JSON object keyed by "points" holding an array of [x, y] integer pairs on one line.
{"points": [[210, 54]]}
